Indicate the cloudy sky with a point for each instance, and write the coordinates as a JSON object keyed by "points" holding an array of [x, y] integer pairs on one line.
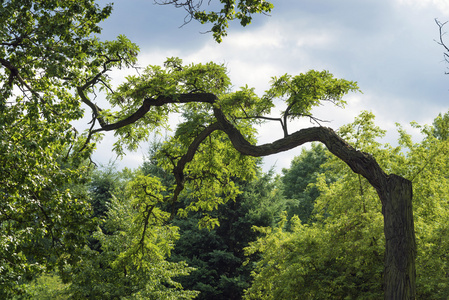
{"points": [[387, 46]]}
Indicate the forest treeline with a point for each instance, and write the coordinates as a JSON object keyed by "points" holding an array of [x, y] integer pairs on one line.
{"points": [[313, 232]]}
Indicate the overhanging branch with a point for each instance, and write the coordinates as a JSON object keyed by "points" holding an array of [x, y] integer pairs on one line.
{"points": [[159, 101], [360, 162]]}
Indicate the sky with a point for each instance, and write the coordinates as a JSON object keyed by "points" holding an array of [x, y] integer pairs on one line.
{"points": [[388, 46]]}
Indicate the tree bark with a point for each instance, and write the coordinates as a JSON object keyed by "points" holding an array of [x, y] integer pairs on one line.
{"points": [[400, 250]]}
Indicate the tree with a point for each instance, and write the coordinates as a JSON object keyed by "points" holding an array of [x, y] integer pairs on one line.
{"points": [[427, 167], [48, 50], [331, 260], [440, 129], [340, 255], [112, 270], [303, 171], [302, 92], [212, 146], [217, 255], [42, 214]]}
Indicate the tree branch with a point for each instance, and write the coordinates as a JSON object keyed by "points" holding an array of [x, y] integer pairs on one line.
{"points": [[441, 42], [178, 170], [360, 162], [159, 101]]}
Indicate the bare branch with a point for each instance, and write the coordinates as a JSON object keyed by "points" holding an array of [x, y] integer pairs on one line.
{"points": [[189, 6], [441, 41]]}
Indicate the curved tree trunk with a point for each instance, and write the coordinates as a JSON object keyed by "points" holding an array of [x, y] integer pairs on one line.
{"points": [[395, 193]]}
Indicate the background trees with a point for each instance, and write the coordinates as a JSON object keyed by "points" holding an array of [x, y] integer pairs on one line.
{"points": [[298, 178], [341, 254], [218, 254], [130, 260]]}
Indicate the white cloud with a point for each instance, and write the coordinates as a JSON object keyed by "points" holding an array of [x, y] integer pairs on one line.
{"points": [[441, 5]]}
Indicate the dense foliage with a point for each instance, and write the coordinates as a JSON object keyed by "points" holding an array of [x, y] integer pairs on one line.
{"points": [[130, 260], [338, 253], [218, 254], [50, 59], [42, 215]]}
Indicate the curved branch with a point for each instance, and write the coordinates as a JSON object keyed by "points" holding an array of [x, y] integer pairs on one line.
{"points": [[159, 101], [95, 109], [91, 82], [360, 162]]}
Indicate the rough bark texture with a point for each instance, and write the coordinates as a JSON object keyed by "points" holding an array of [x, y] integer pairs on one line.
{"points": [[400, 251]]}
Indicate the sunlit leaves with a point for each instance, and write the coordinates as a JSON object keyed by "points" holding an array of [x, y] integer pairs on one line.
{"points": [[440, 125], [46, 50], [245, 104], [338, 255], [426, 165], [172, 79], [209, 175], [305, 91], [58, 33], [169, 81], [43, 211]]}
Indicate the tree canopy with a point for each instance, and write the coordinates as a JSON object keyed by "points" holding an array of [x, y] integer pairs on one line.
{"points": [[53, 64]]}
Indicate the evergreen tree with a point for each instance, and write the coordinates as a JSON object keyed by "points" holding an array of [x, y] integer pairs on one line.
{"points": [[297, 181], [218, 254]]}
